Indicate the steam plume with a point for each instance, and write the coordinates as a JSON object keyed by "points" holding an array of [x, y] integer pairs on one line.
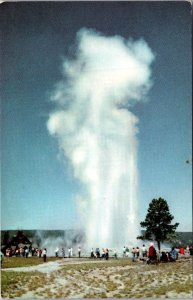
{"points": [[97, 132]]}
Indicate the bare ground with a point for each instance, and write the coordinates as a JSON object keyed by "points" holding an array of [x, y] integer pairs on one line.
{"points": [[74, 278]]}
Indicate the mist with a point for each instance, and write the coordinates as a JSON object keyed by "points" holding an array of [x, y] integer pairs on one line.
{"points": [[97, 131]]}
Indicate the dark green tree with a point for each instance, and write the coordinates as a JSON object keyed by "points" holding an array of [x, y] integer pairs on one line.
{"points": [[158, 222], [6, 238]]}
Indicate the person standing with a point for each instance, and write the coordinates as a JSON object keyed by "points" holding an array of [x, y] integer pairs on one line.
{"points": [[69, 252], [137, 252], [127, 251], [182, 250], [133, 254], [174, 254], [26, 252], [144, 251], [79, 251], [40, 253], [152, 252], [92, 253], [124, 251], [44, 254], [63, 252], [56, 252], [106, 254]]}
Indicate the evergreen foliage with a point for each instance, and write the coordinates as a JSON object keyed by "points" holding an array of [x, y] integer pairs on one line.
{"points": [[158, 222]]}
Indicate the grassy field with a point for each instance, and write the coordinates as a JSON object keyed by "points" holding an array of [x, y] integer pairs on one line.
{"points": [[98, 279], [14, 262]]}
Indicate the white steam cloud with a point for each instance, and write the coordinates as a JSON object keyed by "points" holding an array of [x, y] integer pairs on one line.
{"points": [[97, 132]]}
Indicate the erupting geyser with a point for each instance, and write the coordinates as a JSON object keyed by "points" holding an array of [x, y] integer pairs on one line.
{"points": [[97, 132]]}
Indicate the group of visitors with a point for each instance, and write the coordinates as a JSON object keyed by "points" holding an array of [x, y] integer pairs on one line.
{"points": [[145, 254], [103, 255], [18, 251], [62, 252], [136, 252]]}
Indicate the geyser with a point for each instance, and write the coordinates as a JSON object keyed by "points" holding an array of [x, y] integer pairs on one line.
{"points": [[97, 131]]}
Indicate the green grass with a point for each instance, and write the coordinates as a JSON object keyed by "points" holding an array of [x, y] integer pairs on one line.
{"points": [[14, 262], [13, 283]]}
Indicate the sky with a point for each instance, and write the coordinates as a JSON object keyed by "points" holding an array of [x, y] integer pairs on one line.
{"points": [[38, 186]]}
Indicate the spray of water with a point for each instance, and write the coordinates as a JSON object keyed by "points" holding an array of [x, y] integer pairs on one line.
{"points": [[97, 132], [58, 240]]}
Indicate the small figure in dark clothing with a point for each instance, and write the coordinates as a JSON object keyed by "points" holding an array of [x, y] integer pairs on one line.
{"points": [[92, 253], [137, 252], [56, 252], [97, 253], [26, 252], [44, 254], [164, 257], [107, 254], [79, 252]]}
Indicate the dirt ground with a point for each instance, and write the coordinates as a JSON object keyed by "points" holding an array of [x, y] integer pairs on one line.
{"points": [[80, 278]]}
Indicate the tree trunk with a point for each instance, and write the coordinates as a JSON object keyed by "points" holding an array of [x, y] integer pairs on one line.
{"points": [[158, 244]]}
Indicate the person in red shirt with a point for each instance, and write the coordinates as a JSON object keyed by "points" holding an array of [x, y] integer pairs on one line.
{"points": [[182, 251], [152, 252]]}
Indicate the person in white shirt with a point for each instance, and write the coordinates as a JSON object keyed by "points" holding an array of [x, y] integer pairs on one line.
{"points": [[44, 254], [144, 251]]}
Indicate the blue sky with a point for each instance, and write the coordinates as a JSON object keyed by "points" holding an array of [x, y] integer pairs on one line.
{"points": [[38, 187]]}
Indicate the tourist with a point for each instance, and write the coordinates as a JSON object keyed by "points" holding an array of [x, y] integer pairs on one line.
{"points": [[127, 251], [191, 250], [107, 254], [40, 253], [17, 253], [63, 252], [69, 252], [144, 251], [22, 251], [137, 252], [79, 251], [103, 253], [164, 257], [97, 253], [44, 254], [174, 254], [26, 252], [56, 252], [124, 251], [152, 255], [133, 254], [182, 251], [33, 251], [92, 253]]}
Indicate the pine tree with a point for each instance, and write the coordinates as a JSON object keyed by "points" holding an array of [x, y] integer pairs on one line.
{"points": [[158, 222]]}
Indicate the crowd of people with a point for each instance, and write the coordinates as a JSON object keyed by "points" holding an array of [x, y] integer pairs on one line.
{"points": [[24, 252], [97, 254], [149, 255]]}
